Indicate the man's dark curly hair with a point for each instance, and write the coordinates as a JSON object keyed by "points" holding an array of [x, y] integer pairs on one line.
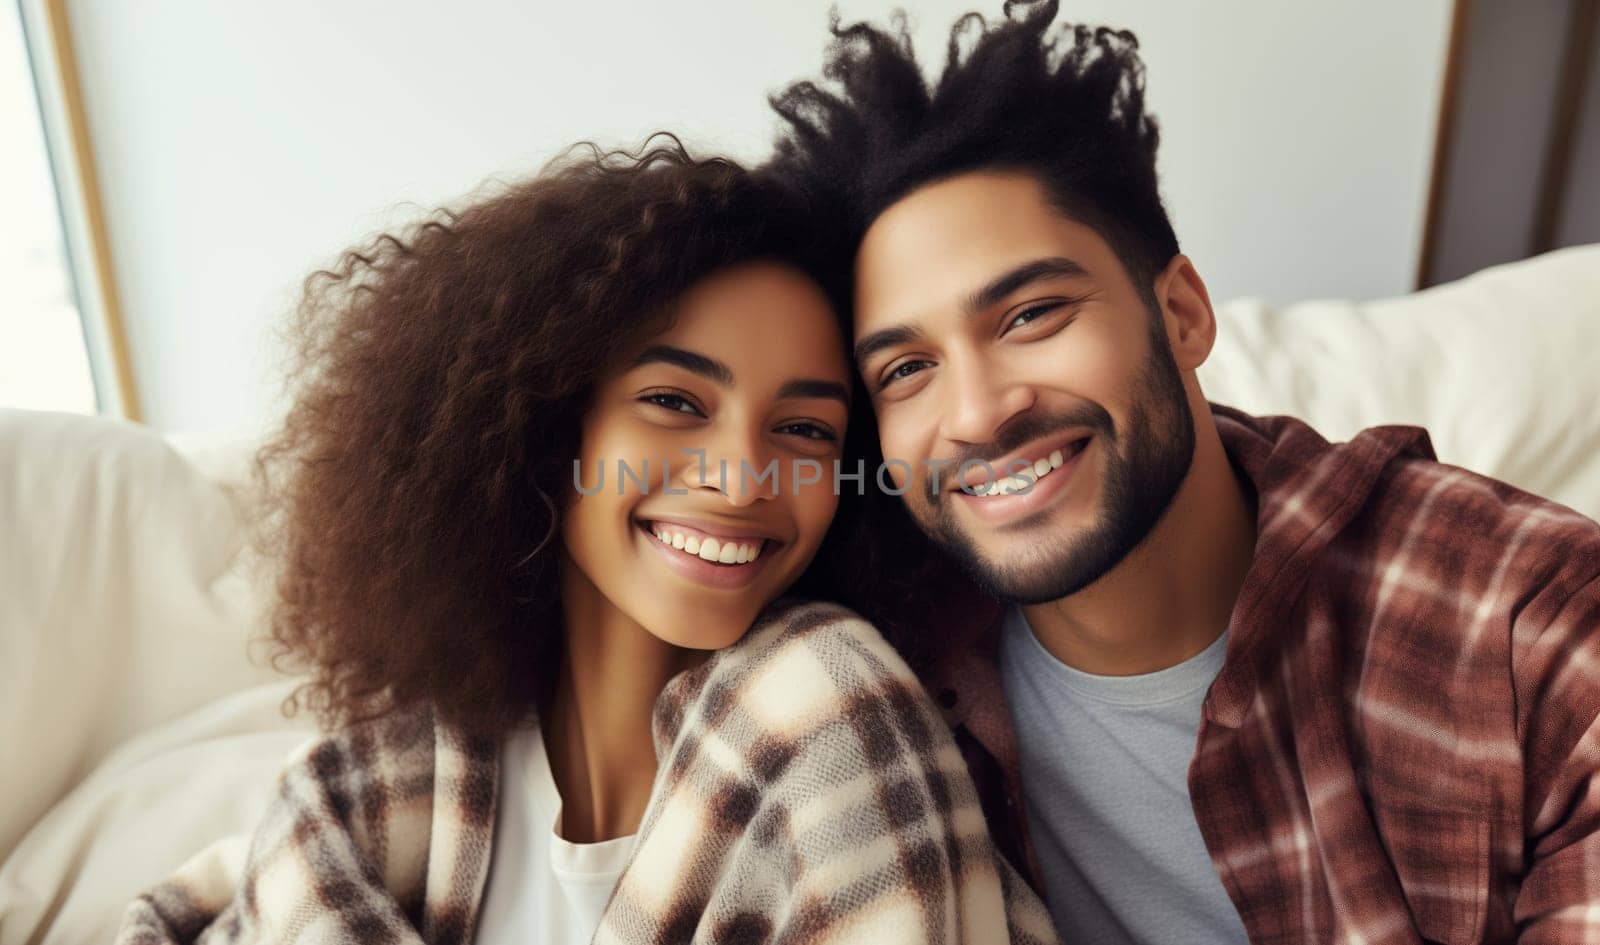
{"points": [[415, 490], [1065, 105]]}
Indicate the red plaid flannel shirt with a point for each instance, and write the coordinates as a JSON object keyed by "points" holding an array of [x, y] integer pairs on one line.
{"points": [[1402, 745]]}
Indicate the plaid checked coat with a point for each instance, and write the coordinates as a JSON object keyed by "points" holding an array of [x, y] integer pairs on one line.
{"points": [[808, 792], [1403, 744]]}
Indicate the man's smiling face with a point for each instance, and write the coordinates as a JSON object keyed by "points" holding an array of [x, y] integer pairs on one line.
{"points": [[992, 327]]}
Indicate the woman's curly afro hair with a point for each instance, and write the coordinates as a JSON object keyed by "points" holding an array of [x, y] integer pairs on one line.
{"points": [[415, 489]]}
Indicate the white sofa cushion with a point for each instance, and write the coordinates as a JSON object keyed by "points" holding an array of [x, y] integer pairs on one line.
{"points": [[1502, 367], [127, 598], [145, 811]]}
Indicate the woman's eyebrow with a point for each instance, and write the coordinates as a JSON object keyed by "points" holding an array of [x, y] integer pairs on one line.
{"points": [[709, 368], [808, 388]]}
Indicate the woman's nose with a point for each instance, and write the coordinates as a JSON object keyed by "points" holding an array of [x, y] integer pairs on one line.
{"points": [[734, 464]]}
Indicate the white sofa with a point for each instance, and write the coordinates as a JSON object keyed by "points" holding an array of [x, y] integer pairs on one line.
{"points": [[135, 729]]}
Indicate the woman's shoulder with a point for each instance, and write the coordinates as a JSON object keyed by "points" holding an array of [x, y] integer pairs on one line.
{"points": [[819, 640], [381, 786], [346, 816], [815, 626], [391, 751], [803, 665]]}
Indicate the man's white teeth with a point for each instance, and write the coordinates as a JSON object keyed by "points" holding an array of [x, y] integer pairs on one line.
{"points": [[1006, 485], [709, 549], [1009, 484]]}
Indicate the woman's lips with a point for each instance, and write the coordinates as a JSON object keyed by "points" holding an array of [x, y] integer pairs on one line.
{"points": [[721, 546], [711, 572]]}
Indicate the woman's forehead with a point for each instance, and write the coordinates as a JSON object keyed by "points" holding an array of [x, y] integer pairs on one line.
{"points": [[756, 319]]}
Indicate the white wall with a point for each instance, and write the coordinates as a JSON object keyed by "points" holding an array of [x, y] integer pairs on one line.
{"points": [[241, 144]]}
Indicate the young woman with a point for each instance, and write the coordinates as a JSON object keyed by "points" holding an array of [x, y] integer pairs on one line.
{"points": [[566, 702]]}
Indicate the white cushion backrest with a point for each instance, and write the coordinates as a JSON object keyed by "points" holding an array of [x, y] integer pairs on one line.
{"points": [[1502, 367], [127, 598]]}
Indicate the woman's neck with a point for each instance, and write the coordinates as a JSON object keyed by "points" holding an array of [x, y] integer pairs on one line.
{"points": [[597, 726]]}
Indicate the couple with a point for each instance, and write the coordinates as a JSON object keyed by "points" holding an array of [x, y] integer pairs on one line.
{"points": [[1184, 674]]}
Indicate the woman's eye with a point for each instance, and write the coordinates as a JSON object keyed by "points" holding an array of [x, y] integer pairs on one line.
{"points": [[810, 431], [674, 403]]}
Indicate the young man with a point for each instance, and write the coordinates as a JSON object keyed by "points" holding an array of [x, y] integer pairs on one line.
{"points": [[1250, 685]]}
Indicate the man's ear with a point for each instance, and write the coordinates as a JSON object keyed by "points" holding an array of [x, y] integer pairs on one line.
{"points": [[1186, 311]]}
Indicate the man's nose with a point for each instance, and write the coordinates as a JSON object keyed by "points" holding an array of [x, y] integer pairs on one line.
{"points": [[978, 399]]}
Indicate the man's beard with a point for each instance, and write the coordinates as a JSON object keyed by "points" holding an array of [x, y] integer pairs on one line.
{"points": [[1145, 466]]}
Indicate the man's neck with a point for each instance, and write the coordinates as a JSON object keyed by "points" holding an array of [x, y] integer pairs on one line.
{"points": [[1172, 596], [597, 727]]}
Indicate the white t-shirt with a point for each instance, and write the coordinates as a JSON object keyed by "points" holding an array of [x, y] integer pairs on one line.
{"points": [[542, 890]]}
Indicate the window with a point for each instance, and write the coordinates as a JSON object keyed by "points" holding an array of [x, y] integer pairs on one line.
{"points": [[44, 359]]}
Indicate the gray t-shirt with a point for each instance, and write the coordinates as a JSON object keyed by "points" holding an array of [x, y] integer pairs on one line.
{"points": [[1105, 763]]}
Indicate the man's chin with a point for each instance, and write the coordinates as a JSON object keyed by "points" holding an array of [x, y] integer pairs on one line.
{"points": [[1045, 557], [1043, 540], [1030, 574]]}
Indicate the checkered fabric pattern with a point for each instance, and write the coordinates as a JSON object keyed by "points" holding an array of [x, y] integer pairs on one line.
{"points": [[1402, 745], [809, 792]]}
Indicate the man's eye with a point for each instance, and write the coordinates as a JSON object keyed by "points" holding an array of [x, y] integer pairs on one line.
{"points": [[810, 431], [1032, 313], [674, 403], [903, 371]]}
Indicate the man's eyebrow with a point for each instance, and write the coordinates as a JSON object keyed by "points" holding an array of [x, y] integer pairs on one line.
{"points": [[808, 388], [688, 360], [1009, 282], [873, 342], [998, 288]]}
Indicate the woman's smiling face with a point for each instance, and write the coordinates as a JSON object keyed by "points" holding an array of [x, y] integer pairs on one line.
{"points": [[750, 376]]}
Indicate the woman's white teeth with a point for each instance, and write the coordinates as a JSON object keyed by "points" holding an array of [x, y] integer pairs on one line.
{"points": [[709, 549], [1006, 485]]}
